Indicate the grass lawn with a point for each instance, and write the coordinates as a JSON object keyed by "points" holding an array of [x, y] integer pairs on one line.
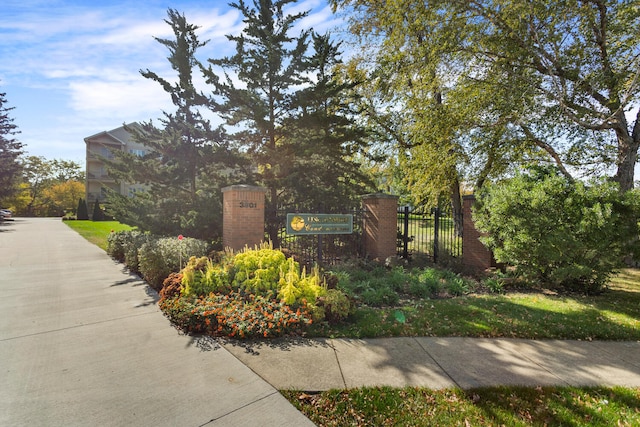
{"points": [[494, 406], [612, 315], [97, 232]]}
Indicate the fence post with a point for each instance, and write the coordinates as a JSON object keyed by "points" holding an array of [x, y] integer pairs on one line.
{"points": [[405, 234], [436, 233], [380, 225]]}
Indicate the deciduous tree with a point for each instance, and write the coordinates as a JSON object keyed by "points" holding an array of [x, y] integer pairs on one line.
{"points": [[525, 80]]}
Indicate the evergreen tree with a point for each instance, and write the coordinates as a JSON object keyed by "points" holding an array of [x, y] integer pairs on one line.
{"points": [[10, 150], [82, 212], [98, 214], [322, 168], [293, 135], [188, 161]]}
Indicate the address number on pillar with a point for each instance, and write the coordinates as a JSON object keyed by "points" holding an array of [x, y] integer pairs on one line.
{"points": [[250, 205]]}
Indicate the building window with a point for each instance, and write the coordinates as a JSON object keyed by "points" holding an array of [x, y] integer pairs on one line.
{"points": [[104, 191], [134, 190], [106, 153], [137, 152]]}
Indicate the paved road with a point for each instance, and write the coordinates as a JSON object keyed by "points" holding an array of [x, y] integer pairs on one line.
{"points": [[82, 343]]}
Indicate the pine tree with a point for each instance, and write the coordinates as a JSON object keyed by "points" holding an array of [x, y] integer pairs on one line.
{"points": [[277, 99], [10, 150], [188, 161], [98, 214], [82, 212]]}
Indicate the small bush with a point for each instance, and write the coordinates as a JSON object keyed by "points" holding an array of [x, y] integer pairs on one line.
{"points": [[123, 246], [294, 287], [135, 240], [116, 244], [257, 270], [336, 305], [98, 213], [160, 257], [82, 212], [201, 277], [171, 287]]}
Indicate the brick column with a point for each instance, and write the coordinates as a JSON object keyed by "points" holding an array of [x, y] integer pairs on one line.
{"points": [[380, 225], [242, 216], [475, 256]]}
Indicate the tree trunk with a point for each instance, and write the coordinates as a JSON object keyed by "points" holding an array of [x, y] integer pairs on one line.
{"points": [[626, 161], [456, 206]]}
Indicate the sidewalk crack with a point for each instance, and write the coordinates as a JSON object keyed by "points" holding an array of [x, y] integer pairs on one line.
{"points": [[335, 353]]}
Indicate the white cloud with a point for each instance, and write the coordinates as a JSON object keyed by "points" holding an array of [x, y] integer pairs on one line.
{"points": [[71, 68], [134, 98]]}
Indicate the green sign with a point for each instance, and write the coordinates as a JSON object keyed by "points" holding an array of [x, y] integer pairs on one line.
{"points": [[305, 223]]}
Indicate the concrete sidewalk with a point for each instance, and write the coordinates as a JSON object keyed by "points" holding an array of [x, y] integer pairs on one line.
{"points": [[322, 364], [83, 343]]}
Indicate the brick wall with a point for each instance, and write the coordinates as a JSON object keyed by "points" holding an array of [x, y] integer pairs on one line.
{"points": [[242, 216], [380, 225]]}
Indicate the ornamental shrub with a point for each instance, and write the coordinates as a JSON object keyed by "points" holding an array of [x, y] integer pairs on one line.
{"points": [[257, 271], [82, 212], [123, 246], [98, 213], [295, 287], [115, 245], [201, 277], [565, 234], [336, 305], [135, 240], [160, 257]]}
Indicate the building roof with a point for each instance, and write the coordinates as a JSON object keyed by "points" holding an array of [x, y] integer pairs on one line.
{"points": [[119, 134]]}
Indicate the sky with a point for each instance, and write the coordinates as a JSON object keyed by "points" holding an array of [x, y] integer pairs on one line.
{"points": [[71, 68]]}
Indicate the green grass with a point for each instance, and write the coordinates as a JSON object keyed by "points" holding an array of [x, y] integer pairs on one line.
{"points": [[97, 232], [612, 315], [494, 406]]}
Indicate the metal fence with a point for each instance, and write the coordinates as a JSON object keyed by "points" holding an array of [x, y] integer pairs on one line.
{"points": [[436, 233], [322, 249]]}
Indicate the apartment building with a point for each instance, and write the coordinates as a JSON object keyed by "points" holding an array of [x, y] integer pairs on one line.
{"points": [[102, 146]]}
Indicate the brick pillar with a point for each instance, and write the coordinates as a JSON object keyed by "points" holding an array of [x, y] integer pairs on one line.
{"points": [[380, 225], [242, 216], [475, 256]]}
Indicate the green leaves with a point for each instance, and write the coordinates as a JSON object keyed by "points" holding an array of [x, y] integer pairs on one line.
{"points": [[566, 234]]}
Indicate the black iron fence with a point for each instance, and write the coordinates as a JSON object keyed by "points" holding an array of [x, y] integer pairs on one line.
{"points": [[436, 233], [321, 249]]}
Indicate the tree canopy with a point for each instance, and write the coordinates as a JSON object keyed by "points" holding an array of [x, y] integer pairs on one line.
{"points": [[488, 84], [288, 113], [187, 162]]}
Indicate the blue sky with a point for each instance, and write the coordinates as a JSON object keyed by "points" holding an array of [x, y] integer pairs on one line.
{"points": [[71, 68]]}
